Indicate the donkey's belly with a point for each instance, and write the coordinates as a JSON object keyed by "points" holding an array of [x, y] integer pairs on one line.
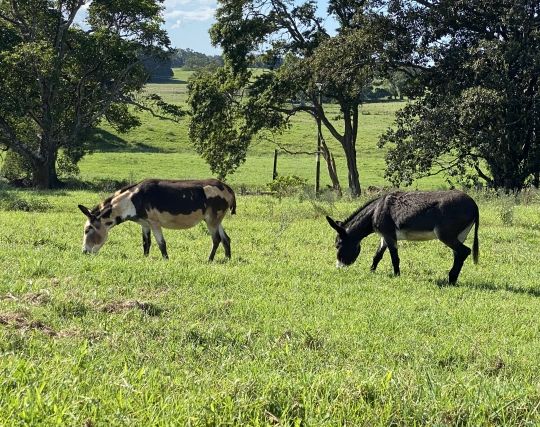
{"points": [[179, 221], [418, 235]]}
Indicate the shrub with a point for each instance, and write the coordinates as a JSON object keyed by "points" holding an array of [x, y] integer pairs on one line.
{"points": [[11, 201], [287, 185], [15, 167]]}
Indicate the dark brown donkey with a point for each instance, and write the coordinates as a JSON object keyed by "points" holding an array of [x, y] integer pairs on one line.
{"points": [[157, 203], [444, 215]]}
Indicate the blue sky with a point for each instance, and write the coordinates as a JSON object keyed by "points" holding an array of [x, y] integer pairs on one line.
{"points": [[187, 22]]}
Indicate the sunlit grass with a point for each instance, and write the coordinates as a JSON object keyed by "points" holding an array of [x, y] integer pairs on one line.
{"points": [[162, 148], [276, 335]]}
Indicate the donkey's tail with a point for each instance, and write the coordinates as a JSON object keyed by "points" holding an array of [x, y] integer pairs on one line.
{"points": [[475, 250], [232, 205]]}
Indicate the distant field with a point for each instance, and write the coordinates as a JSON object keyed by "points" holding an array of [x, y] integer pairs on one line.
{"points": [[162, 149]]}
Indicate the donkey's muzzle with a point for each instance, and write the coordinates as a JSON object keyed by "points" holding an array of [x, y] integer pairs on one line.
{"points": [[339, 264]]}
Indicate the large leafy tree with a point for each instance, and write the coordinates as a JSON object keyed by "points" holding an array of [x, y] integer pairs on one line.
{"points": [[478, 115], [59, 79], [293, 35]]}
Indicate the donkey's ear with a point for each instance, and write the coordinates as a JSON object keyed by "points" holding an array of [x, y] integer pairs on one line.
{"points": [[86, 211], [336, 225]]}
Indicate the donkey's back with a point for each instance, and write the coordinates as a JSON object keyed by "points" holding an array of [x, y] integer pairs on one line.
{"points": [[182, 204], [426, 211]]}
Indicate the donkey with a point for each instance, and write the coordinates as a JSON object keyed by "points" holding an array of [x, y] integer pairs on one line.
{"points": [[157, 203], [444, 215]]}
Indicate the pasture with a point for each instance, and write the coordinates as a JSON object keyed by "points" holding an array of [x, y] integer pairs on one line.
{"points": [[276, 335], [162, 149]]}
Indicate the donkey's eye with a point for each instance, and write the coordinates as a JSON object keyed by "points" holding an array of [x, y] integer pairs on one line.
{"points": [[87, 230]]}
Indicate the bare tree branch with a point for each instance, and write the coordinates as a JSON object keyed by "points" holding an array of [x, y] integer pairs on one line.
{"points": [[146, 108]]}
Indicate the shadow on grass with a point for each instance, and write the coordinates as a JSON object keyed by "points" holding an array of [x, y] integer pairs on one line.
{"points": [[102, 141], [10, 194], [167, 80], [491, 287], [103, 185]]}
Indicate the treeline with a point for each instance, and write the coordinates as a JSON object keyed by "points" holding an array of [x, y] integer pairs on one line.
{"points": [[191, 60], [391, 87]]}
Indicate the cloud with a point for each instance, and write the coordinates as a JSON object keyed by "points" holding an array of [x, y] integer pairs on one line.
{"points": [[171, 4], [181, 16]]}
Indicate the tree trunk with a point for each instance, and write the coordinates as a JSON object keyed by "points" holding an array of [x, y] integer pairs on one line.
{"points": [[44, 174], [510, 184], [331, 164], [354, 179], [348, 142], [536, 179]]}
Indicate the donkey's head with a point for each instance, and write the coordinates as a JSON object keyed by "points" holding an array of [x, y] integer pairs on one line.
{"points": [[96, 229], [348, 248]]}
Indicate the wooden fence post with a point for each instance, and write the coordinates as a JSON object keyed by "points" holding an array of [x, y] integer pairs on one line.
{"points": [[274, 172]]}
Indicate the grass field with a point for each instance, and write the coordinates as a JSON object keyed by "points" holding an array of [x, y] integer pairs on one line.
{"points": [[275, 336], [162, 149]]}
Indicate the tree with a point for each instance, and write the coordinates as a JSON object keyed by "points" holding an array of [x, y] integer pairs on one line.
{"points": [[191, 60], [479, 115], [345, 64], [219, 127], [59, 79], [158, 68]]}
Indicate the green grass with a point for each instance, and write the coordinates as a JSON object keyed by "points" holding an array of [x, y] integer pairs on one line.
{"points": [[276, 335], [162, 149]]}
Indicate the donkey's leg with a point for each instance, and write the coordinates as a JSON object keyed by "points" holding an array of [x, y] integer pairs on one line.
{"points": [[146, 239], [392, 248], [461, 252], [213, 221], [379, 254], [156, 229], [216, 239], [226, 240]]}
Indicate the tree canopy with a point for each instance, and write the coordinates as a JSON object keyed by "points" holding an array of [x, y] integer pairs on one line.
{"points": [[58, 79], [478, 112], [293, 36]]}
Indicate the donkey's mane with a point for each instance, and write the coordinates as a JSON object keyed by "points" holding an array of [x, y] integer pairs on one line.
{"points": [[359, 210]]}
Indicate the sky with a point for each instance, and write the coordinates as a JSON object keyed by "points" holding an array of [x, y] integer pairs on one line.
{"points": [[187, 22]]}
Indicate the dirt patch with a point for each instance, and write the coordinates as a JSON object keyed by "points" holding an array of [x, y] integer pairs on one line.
{"points": [[23, 323], [20, 322], [121, 306], [8, 296], [35, 298]]}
